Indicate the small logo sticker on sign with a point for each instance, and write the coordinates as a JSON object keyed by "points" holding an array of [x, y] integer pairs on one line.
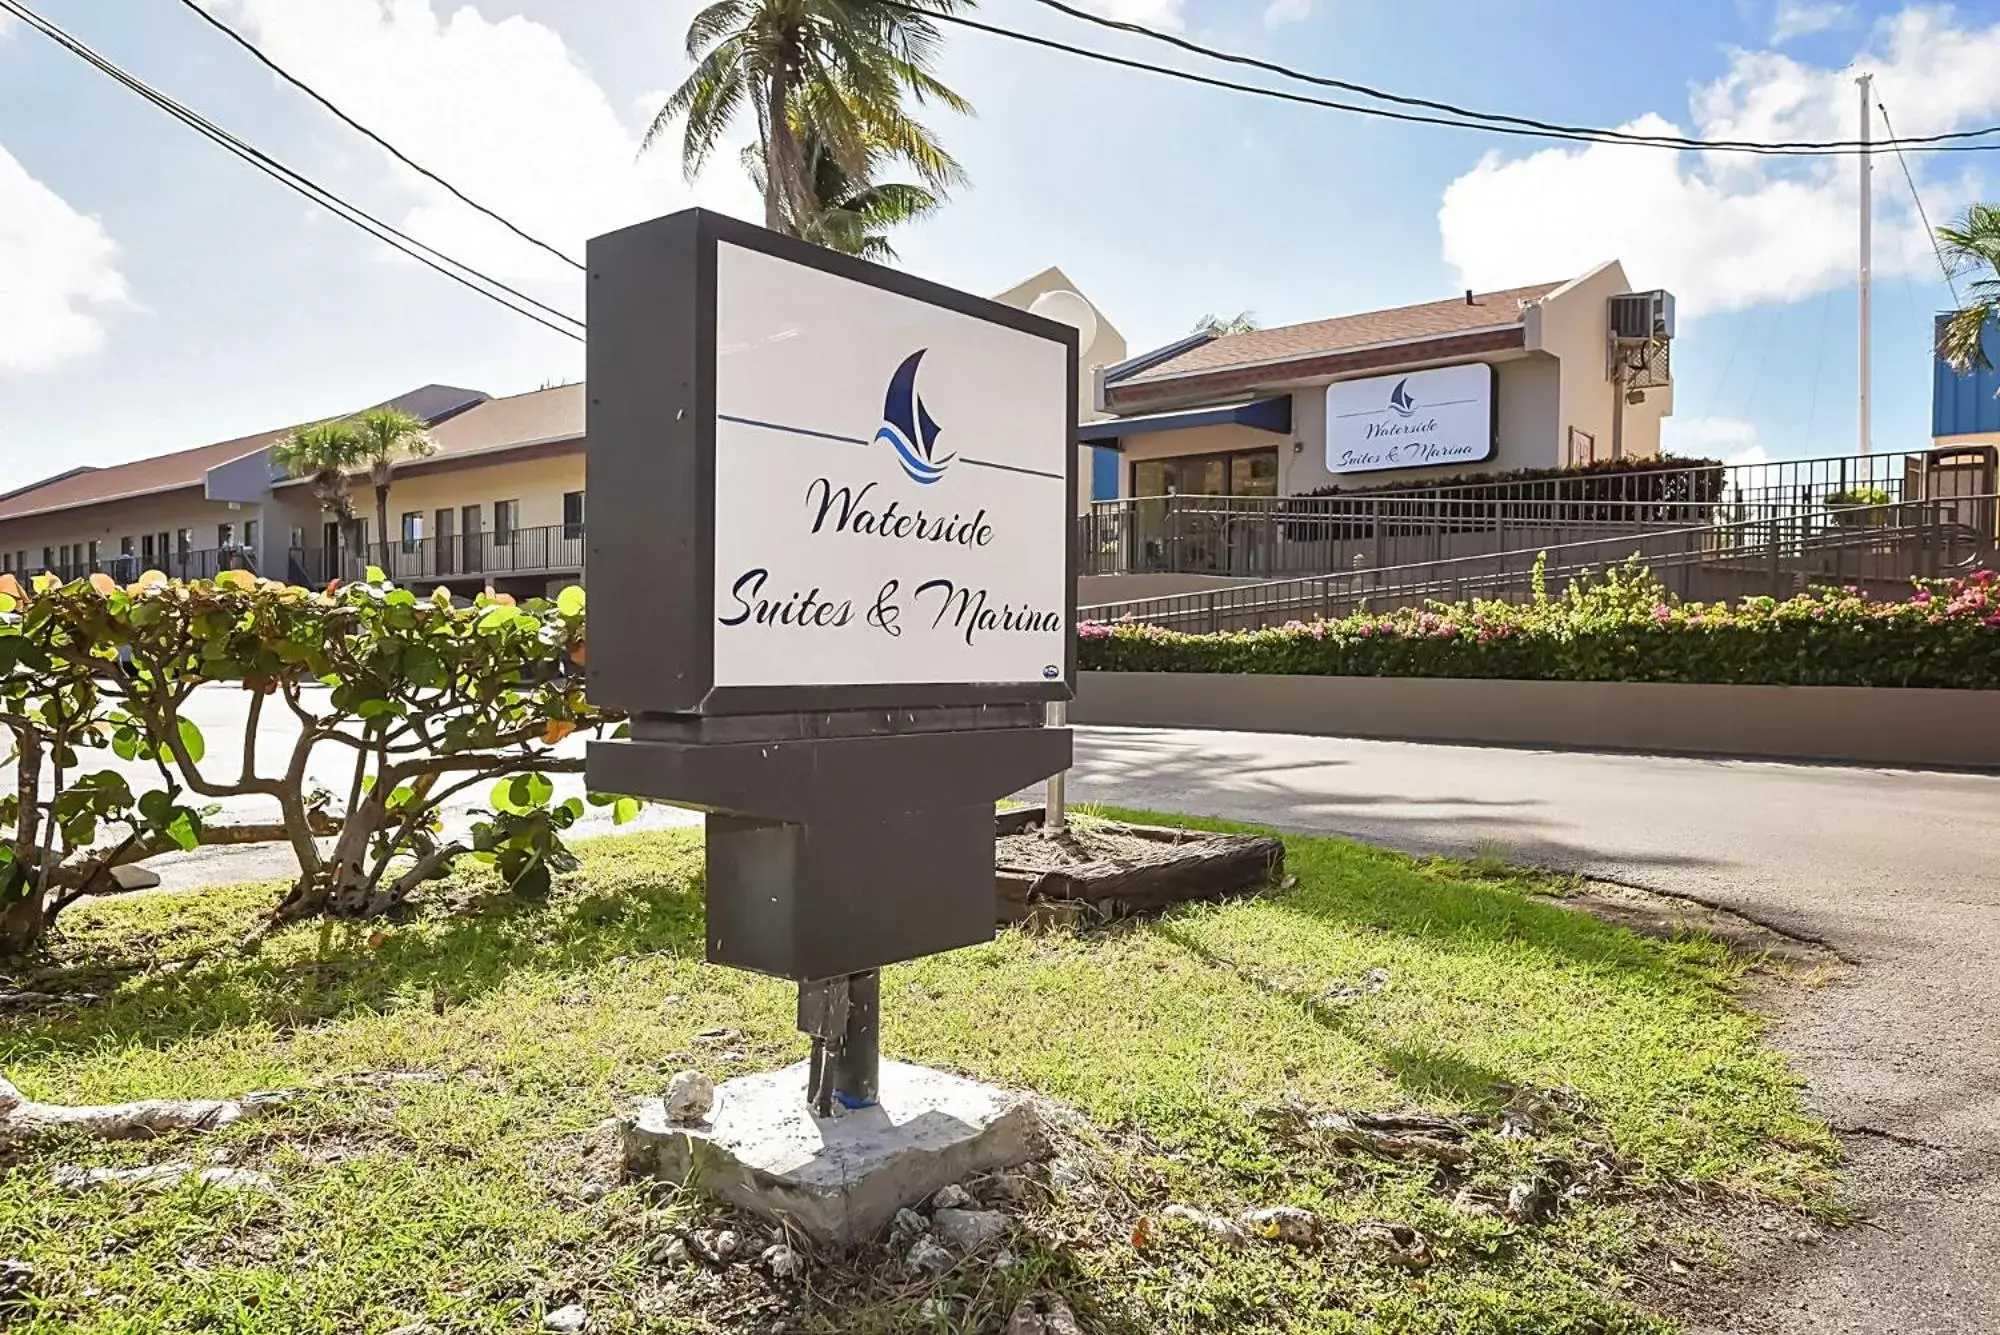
{"points": [[1051, 672]]}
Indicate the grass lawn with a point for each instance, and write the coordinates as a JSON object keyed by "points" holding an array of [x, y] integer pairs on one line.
{"points": [[458, 1201]]}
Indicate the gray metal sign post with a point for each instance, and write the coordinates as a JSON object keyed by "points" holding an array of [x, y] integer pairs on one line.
{"points": [[832, 580]]}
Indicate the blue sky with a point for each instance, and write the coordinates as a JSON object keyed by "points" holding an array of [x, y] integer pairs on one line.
{"points": [[155, 293]]}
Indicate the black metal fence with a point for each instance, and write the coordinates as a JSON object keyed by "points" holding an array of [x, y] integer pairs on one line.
{"points": [[1270, 536], [1880, 548], [555, 549]]}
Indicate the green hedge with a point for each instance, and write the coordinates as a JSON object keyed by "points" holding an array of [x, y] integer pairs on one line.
{"points": [[1623, 626]]}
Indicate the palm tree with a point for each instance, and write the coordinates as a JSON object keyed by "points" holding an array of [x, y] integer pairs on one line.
{"points": [[854, 215], [1972, 242], [837, 68], [1215, 326], [324, 454], [386, 435]]}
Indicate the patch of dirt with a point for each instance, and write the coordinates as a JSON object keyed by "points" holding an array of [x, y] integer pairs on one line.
{"points": [[1667, 917]]}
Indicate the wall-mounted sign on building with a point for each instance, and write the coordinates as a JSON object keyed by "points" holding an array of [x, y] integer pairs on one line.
{"points": [[1415, 420]]}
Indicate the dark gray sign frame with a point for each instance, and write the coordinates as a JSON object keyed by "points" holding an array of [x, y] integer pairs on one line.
{"points": [[650, 455]]}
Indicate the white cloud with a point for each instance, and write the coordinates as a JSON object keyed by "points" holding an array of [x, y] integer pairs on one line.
{"points": [[502, 109], [1796, 18], [59, 276], [1730, 439], [1280, 12], [1727, 231], [1168, 14]]}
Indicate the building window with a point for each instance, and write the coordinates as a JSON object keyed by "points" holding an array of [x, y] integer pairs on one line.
{"points": [[93, 554], [506, 518], [147, 550], [184, 543], [49, 557], [225, 535], [7, 562], [250, 534], [413, 529], [572, 514]]}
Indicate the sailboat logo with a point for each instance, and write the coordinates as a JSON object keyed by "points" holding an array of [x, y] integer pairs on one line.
{"points": [[1401, 400], [908, 427]]}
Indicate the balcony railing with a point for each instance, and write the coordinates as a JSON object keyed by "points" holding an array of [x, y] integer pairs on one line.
{"points": [[124, 567], [555, 549]]}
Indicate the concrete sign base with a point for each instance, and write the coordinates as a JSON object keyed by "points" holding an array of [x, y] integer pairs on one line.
{"points": [[841, 1179]]}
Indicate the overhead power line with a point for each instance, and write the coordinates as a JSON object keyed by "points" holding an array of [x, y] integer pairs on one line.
{"points": [[353, 124], [1458, 117], [1950, 279], [456, 270]]}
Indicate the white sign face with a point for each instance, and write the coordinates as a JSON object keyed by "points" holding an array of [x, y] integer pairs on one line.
{"points": [[891, 487], [1416, 420]]}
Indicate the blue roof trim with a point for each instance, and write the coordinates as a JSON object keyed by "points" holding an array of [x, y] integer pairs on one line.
{"points": [[1146, 361], [1962, 404], [1273, 415]]}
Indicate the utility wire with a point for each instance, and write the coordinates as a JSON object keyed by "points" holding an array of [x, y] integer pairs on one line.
{"points": [[1491, 123], [1950, 279], [353, 124], [302, 185]]}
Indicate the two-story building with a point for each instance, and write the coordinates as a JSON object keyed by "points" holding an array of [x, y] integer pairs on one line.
{"points": [[501, 503]]}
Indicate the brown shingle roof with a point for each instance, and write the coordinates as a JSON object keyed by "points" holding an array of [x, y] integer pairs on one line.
{"points": [[186, 468], [521, 419], [162, 472], [1432, 319]]}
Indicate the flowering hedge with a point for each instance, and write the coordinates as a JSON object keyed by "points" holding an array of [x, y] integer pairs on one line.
{"points": [[1623, 626]]}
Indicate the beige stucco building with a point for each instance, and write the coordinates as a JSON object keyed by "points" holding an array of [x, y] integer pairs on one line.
{"points": [[500, 503], [1250, 414]]}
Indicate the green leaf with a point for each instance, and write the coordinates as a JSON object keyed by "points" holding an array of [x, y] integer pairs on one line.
{"points": [[423, 666], [502, 797], [573, 808], [570, 601], [624, 809], [374, 574], [192, 742], [125, 744], [496, 617], [185, 831]]}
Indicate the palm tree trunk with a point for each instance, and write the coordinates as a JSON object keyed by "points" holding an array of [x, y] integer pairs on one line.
{"points": [[777, 140], [382, 522]]}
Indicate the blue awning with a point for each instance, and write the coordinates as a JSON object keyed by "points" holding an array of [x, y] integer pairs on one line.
{"points": [[1273, 415]]}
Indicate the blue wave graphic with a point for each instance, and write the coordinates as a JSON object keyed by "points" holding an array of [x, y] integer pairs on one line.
{"points": [[908, 426], [1401, 399]]}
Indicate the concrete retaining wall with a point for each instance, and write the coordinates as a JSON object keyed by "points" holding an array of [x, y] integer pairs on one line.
{"points": [[1854, 725]]}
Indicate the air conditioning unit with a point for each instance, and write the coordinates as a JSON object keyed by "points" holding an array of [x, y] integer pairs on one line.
{"points": [[1642, 317]]}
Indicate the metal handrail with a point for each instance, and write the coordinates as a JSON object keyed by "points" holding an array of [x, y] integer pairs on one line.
{"points": [[1270, 535], [199, 563], [1878, 545], [543, 550]]}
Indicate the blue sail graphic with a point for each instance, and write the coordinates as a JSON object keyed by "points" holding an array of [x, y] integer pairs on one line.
{"points": [[908, 426], [1401, 400]]}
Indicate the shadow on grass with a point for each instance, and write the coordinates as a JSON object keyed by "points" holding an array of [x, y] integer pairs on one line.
{"points": [[315, 972], [1426, 1073]]}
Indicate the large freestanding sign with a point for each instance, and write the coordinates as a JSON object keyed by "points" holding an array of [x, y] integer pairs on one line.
{"points": [[1419, 419], [832, 580], [891, 477]]}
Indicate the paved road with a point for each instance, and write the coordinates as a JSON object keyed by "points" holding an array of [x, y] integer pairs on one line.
{"points": [[1897, 871]]}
